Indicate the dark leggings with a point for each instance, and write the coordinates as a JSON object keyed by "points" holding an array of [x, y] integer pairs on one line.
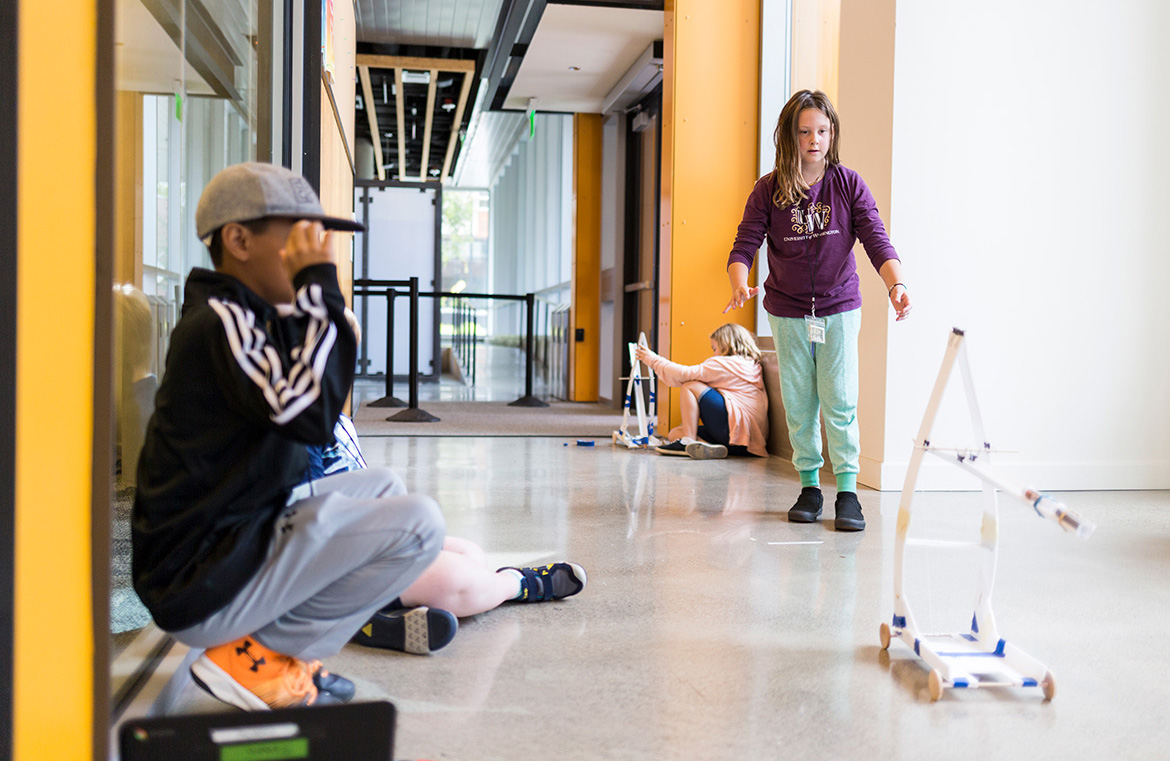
{"points": [[713, 422]]}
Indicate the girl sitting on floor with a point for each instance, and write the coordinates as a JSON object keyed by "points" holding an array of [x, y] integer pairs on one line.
{"points": [[724, 407]]}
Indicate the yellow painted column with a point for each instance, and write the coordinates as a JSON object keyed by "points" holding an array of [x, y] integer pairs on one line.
{"points": [[710, 111], [585, 355], [53, 648]]}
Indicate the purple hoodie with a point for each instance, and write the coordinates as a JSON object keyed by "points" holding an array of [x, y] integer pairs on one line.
{"points": [[816, 234]]}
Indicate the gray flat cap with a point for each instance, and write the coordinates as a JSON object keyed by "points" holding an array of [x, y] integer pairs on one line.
{"points": [[253, 190]]}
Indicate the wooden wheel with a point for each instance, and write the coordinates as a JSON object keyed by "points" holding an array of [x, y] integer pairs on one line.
{"points": [[1048, 684], [935, 684], [884, 633]]}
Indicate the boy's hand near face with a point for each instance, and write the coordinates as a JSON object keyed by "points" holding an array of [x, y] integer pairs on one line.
{"points": [[307, 244]]}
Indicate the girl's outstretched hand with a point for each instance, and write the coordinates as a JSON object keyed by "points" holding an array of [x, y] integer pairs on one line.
{"points": [[739, 296], [900, 298]]}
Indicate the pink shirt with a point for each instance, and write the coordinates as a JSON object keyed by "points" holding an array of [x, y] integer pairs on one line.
{"points": [[740, 381]]}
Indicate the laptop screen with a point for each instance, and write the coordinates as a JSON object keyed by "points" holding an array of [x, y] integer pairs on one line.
{"points": [[353, 732]]}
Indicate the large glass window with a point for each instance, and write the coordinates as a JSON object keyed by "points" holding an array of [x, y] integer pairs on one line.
{"points": [[465, 241], [196, 88]]}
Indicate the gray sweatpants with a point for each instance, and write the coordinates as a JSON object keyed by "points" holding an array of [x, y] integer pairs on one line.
{"points": [[345, 546]]}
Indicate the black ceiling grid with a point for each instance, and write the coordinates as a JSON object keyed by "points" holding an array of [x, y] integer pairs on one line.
{"points": [[447, 88]]}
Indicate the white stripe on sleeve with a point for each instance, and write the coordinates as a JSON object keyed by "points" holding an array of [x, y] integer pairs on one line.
{"points": [[260, 361]]}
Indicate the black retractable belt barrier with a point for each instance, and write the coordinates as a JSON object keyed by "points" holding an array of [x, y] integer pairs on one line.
{"points": [[389, 400], [528, 400], [471, 354], [412, 414], [464, 333]]}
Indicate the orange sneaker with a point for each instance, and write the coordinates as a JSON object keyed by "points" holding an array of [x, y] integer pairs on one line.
{"points": [[248, 675]]}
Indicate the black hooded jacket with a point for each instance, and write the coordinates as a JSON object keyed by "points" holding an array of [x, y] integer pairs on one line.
{"points": [[244, 391]]}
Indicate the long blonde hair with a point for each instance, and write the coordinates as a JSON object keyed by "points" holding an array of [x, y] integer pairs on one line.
{"points": [[735, 341], [788, 183]]}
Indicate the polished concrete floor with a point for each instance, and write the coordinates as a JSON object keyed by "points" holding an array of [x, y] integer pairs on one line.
{"points": [[712, 628]]}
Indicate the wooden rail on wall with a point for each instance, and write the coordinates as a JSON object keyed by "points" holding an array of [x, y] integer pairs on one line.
{"points": [[398, 64], [338, 96]]}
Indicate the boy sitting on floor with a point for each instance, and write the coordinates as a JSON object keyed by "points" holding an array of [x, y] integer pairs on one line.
{"points": [[225, 555]]}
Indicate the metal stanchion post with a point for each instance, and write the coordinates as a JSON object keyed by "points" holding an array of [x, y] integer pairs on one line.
{"points": [[468, 340], [528, 400], [472, 348], [389, 400], [464, 338], [457, 331], [412, 414]]}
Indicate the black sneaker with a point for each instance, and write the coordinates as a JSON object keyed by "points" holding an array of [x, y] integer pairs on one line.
{"points": [[675, 448], [849, 517], [332, 688], [418, 630], [808, 506], [549, 582], [701, 450]]}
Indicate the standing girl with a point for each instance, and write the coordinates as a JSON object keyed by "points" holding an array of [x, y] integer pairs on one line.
{"points": [[812, 210]]}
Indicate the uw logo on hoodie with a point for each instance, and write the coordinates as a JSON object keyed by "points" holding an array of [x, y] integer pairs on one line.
{"points": [[813, 219]]}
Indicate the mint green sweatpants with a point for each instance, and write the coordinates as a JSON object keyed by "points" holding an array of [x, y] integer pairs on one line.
{"points": [[818, 383]]}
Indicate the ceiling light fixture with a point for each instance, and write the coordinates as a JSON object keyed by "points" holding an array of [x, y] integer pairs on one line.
{"points": [[416, 77]]}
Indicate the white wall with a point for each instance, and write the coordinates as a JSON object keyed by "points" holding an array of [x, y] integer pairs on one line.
{"points": [[775, 89], [1029, 192], [613, 158]]}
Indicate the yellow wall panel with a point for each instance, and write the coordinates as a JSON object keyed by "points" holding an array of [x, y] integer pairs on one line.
{"points": [[586, 313], [710, 138], [53, 640]]}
